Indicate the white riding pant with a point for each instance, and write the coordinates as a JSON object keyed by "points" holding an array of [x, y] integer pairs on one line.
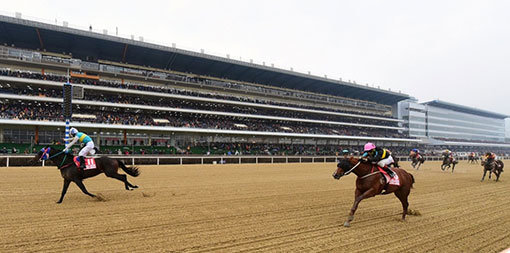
{"points": [[385, 162], [87, 149]]}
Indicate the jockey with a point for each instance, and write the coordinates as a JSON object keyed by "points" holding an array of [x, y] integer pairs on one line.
{"points": [[380, 156], [86, 140], [345, 153], [447, 154], [490, 157], [414, 153]]}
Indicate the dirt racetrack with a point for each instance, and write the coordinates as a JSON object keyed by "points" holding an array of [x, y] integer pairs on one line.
{"points": [[225, 208]]}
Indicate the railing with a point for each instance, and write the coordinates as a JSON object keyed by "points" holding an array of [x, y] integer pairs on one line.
{"points": [[25, 160]]}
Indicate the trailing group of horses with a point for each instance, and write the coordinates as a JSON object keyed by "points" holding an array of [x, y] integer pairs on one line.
{"points": [[370, 180]]}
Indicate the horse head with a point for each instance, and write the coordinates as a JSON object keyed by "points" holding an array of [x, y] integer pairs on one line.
{"points": [[46, 153], [345, 166]]}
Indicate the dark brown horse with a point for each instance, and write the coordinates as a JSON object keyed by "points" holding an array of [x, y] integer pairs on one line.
{"points": [[417, 161], [371, 182], [493, 166], [71, 173], [448, 162]]}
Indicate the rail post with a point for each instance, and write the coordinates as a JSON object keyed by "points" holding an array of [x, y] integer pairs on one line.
{"points": [[67, 108]]}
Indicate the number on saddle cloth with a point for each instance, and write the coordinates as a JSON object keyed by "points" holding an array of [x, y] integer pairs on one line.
{"points": [[90, 163]]}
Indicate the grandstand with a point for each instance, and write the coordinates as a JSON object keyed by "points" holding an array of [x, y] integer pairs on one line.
{"points": [[139, 97]]}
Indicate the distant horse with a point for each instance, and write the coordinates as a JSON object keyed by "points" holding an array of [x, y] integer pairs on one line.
{"points": [[371, 182], [417, 161], [495, 166], [473, 159], [71, 173], [448, 162]]}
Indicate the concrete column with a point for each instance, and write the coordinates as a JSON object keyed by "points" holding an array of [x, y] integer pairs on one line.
{"points": [[36, 138]]}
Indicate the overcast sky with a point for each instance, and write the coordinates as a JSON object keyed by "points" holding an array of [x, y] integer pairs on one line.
{"points": [[457, 51]]}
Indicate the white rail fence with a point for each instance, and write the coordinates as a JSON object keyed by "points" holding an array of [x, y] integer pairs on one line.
{"points": [[25, 160]]}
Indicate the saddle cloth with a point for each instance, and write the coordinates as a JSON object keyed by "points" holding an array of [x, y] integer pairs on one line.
{"points": [[90, 163], [392, 181]]}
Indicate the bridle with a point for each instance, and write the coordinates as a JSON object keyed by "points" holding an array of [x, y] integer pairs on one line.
{"points": [[350, 170], [46, 155]]}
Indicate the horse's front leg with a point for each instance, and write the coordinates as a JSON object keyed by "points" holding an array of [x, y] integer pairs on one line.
{"points": [[358, 198], [64, 190], [483, 177]]}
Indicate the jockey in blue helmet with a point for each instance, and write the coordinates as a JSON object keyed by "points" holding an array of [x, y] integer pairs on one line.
{"points": [[82, 138]]}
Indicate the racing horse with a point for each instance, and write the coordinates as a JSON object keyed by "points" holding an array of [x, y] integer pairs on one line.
{"points": [[71, 173], [472, 159], [417, 161], [371, 182], [449, 162], [495, 166]]}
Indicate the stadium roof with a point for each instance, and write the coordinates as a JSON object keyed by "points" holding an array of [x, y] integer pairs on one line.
{"points": [[465, 109], [94, 46]]}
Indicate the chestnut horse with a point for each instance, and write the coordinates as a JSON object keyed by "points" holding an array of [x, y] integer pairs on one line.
{"points": [[371, 182]]}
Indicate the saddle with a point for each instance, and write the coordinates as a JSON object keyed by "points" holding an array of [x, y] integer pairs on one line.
{"points": [[389, 180], [90, 163]]}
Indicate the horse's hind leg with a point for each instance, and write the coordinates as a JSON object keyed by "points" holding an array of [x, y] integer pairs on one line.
{"points": [[122, 178], [83, 189], [402, 195], [64, 190]]}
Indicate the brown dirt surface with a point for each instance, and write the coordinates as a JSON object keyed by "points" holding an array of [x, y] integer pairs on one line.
{"points": [[255, 208]]}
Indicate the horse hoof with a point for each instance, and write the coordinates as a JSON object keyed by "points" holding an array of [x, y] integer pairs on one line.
{"points": [[347, 224], [135, 186], [58, 202]]}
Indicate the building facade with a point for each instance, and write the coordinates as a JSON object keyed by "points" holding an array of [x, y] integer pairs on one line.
{"points": [[446, 121]]}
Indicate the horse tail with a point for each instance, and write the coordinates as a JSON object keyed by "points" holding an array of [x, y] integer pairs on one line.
{"points": [[132, 171], [412, 179]]}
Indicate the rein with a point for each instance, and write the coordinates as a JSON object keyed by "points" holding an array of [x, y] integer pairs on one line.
{"points": [[46, 151], [55, 155], [354, 167], [371, 174]]}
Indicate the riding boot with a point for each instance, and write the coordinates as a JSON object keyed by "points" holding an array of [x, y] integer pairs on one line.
{"points": [[82, 162], [389, 171]]}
